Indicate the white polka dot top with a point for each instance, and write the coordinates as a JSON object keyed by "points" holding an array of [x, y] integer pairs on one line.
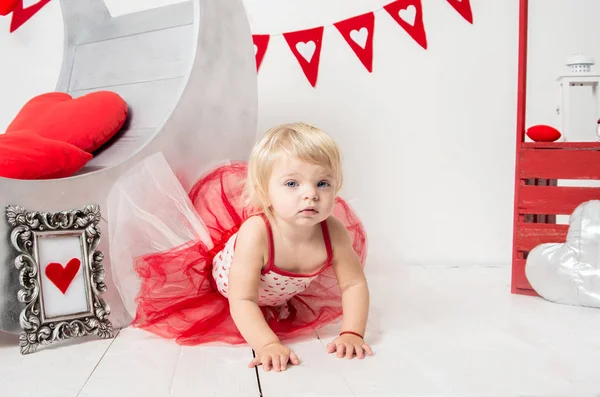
{"points": [[277, 286]]}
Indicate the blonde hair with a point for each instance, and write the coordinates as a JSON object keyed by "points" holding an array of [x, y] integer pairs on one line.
{"points": [[301, 140]]}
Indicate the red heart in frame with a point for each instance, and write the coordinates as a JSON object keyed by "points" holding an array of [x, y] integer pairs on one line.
{"points": [[63, 276]]}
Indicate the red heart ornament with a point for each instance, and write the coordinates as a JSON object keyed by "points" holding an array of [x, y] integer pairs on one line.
{"points": [[86, 122], [63, 276], [543, 133]]}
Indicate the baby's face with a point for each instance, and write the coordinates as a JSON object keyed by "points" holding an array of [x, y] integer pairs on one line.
{"points": [[301, 193]]}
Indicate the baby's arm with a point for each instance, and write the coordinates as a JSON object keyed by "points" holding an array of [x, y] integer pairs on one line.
{"points": [[244, 280], [355, 293]]}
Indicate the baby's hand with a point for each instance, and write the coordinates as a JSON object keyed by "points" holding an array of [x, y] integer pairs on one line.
{"points": [[347, 345], [276, 354]]}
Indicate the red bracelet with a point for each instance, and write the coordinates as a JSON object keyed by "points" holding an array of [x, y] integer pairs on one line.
{"points": [[351, 333]]}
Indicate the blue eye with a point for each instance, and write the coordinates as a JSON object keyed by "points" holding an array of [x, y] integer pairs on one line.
{"points": [[291, 184], [323, 184]]}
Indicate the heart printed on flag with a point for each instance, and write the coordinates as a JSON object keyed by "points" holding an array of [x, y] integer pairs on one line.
{"points": [[307, 50], [360, 36], [408, 14]]}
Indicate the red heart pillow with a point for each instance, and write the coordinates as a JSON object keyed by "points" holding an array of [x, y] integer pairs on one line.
{"points": [[25, 155], [86, 122], [543, 133]]}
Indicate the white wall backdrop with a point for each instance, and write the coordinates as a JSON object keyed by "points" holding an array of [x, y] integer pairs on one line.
{"points": [[428, 137]]}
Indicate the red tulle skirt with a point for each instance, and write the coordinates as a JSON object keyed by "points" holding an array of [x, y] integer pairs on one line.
{"points": [[176, 299]]}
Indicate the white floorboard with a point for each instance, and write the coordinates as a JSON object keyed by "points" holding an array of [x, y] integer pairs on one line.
{"points": [[387, 372], [54, 371], [435, 331], [317, 375], [137, 364], [215, 371], [142, 364]]}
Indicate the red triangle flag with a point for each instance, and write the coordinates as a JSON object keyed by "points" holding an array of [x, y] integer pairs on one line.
{"points": [[306, 46], [409, 15], [358, 32], [464, 8], [261, 42], [20, 15]]}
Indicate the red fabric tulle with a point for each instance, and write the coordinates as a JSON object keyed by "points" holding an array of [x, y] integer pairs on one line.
{"points": [[177, 298]]}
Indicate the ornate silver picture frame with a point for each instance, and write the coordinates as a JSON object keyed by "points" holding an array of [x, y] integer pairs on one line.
{"points": [[61, 275]]}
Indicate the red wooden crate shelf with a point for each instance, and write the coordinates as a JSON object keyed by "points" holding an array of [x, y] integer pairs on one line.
{"points": [[538, 200]]}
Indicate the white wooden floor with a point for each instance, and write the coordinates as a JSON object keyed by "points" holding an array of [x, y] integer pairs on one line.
{"points": [[435, 331]]}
